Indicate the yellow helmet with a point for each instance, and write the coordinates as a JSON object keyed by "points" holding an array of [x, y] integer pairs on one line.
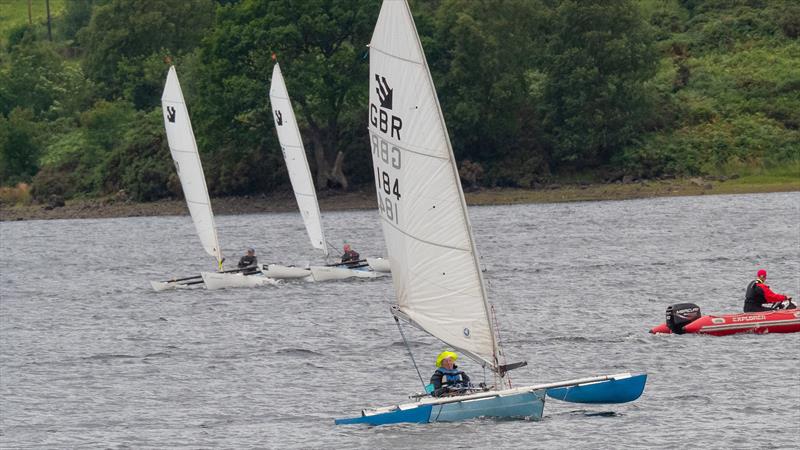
{"points": [[444, 355]]}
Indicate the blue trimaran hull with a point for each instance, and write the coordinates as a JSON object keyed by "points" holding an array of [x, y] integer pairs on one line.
{"points": [[526, 402]]}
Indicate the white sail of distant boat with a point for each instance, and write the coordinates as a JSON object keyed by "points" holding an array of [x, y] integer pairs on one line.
{"points": [[296, 162], [184, 152], [435, 266]]}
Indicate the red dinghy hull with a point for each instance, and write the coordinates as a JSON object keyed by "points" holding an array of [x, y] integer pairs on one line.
{"points": [[781, 321]]}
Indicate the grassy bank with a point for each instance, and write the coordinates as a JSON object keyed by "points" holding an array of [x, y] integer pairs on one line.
{"points": [[780, 181], [15, 12]]}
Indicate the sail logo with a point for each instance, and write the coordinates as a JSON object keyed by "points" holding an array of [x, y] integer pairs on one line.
{"points": [[278, 117], [171, 113], [379, 118]]}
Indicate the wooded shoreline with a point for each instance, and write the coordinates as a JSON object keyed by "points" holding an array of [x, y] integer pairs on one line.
{"points": [[119, 206]]}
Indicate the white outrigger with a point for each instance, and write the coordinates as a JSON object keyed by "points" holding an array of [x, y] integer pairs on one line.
{"points": [[435, 266]]}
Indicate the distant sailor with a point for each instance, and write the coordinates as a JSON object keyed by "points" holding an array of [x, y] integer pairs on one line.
{"points": [[759, 293], [350, 255], [447, 379], [248, 260]]}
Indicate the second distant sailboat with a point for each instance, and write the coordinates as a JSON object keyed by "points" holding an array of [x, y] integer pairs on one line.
{"points": [[303, 186]]}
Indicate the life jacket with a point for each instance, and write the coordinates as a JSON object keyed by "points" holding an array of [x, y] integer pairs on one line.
{"points": [[450, 377], [754, 293]]}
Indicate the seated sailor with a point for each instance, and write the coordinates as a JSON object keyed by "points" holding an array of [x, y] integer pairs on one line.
{"points": [[447, 379], [759, 293], [349, 255], [248, 260]]}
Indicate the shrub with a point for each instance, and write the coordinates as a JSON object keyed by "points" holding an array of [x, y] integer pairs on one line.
{"points": [[17, 195]]}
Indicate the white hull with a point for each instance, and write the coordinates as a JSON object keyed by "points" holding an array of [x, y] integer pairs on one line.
{"points": [[280, 272], [379, 265], [215, 280], [324, 273], [168, 286]]}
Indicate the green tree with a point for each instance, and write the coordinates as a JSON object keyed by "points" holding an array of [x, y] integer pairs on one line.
{"points": [[124, 33], [321, 47], [485, 56], [599, 58], [19, 149]]}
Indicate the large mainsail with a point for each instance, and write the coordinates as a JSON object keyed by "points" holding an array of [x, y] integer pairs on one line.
{"points": [[435, 267], [187, 163], [296, 162]]}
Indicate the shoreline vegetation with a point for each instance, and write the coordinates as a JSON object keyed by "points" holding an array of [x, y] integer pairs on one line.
{"points": [[120, 206]]}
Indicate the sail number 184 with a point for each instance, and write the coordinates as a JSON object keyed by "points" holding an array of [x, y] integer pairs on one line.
{"points": [[388, 194]]}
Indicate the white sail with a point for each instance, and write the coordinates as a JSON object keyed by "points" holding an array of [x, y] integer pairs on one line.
{"points": [[428, 236], [187, 163], [295, 156]]}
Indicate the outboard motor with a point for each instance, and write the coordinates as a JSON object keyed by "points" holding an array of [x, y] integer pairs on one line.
{"points": [[680, 315]]}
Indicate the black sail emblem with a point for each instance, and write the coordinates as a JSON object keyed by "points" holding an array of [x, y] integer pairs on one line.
{"points": [[384, 92], [278, 117], [383, 118], [171, 113]]}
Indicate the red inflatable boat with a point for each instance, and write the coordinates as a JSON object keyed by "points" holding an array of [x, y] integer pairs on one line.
{"points": [[686, 318]]}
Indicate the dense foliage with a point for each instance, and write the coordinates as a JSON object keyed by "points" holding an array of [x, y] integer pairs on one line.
{"points": [[532, 90]]}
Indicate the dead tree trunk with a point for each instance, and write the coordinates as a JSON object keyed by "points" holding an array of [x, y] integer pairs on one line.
{"points": [[328, 175]]}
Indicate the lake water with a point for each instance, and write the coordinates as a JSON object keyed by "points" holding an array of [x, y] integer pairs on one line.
{"points": [[90, 356]]}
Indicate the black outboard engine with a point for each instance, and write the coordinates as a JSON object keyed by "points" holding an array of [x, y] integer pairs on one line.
{"points": [[680, 315]]}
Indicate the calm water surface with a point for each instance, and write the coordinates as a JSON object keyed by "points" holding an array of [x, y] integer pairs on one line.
{"points": [[90, 356]]}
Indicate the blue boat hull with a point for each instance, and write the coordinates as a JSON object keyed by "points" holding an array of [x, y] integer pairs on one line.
{"points": [[528, 405], [610, 391]]}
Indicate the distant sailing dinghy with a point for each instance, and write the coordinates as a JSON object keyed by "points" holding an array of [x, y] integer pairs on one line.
{"points": [[184, 152], [183, 148], [303, 186], [435, 269]]}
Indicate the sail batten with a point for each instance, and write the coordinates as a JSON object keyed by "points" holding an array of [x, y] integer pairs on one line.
{"points": [[296, 162], [388, 223], [435, 267], [183, 148]]}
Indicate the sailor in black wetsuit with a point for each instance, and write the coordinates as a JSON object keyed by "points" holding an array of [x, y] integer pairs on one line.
{"points": [[249, 261]]}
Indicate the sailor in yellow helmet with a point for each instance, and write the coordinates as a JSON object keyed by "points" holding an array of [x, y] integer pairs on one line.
{"points": [[447, 379]]}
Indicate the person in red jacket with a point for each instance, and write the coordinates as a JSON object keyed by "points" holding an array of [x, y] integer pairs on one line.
{"points": [[350, 256], [759, 293]]}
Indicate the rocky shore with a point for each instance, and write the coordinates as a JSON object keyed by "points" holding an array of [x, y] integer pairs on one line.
{"points": [[119, 206]]}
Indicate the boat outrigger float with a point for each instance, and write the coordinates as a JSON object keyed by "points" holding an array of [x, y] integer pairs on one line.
{"points": [[435, 265]]}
